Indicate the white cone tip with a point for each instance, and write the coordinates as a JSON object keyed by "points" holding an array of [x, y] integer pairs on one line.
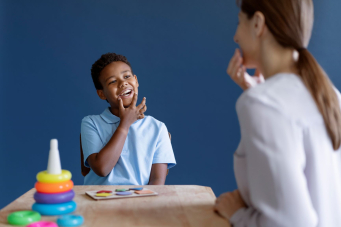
{"points": [[53, 165]]}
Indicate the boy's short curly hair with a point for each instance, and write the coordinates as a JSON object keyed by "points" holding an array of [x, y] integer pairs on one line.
{"points": [[100, 64]]}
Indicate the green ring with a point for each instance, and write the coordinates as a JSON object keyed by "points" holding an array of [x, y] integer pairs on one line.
{"points": [[23, 217]]}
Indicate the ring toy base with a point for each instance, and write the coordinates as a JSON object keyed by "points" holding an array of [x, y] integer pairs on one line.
{"points": [[43, 224], [70, 220], [54, 187], [23, 217], [48, 198], [45, 177], [54, 209]]}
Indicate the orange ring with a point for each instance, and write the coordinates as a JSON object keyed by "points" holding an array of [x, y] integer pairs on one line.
{"points": [[54, 187]]}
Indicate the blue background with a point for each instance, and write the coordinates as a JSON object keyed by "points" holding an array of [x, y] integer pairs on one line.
{"points": [[179, 51]]}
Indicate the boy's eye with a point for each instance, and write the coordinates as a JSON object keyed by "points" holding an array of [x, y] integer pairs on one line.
{"points": [[114, 81], [127, 76]]}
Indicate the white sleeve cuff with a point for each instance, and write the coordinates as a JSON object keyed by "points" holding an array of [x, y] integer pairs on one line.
{"points": [[237, 216]]}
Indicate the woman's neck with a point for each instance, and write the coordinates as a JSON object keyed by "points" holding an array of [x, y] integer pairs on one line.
{"points": [[275, 59]]}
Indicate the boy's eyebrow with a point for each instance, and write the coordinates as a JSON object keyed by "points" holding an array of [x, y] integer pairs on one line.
{"points": [[125, 71], [109, 78]]}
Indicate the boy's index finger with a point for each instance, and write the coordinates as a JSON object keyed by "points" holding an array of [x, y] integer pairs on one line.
{"points": [[121, 106], [133, 104]]}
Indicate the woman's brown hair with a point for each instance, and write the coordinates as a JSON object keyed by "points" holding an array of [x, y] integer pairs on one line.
{"points": [[291, 22]]}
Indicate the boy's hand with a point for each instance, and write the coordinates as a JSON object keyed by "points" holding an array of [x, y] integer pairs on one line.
{"points": [[238, 74], [132, 113]]}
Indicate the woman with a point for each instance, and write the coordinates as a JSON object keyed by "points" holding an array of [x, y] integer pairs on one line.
{"points": [[288, 162]]}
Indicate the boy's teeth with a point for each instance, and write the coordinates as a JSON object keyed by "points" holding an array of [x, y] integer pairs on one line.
{"points": [[126, 93]]}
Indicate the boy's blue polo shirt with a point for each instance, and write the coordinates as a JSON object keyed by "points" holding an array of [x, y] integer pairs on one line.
{"points": [[147, 143]]}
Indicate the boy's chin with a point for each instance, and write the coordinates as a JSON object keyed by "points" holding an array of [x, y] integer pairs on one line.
{"points": [[127, 103]]}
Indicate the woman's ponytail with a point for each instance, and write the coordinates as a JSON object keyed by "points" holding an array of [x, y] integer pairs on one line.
{"points": [[322, 90]]}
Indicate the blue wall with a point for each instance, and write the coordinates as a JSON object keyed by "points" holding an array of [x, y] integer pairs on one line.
{"points": [[179, 51]]}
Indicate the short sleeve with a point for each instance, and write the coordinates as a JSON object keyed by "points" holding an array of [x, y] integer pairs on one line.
{"points": [[91, 141], [164, 151]]}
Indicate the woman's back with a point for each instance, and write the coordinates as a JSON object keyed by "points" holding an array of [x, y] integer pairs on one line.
{"points": [[286, 166]]}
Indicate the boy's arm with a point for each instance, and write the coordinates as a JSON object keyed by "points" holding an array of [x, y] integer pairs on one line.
{"points": [[105, 160], [158, 174]]}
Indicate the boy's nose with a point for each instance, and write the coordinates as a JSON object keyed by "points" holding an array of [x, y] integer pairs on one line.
{"points": [[123, 83]]}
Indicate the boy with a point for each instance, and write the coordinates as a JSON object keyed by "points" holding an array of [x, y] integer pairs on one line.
{"points": [[121, 145]]}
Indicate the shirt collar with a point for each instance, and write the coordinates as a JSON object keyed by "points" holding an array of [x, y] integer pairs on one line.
{"points": [[108, 117]]}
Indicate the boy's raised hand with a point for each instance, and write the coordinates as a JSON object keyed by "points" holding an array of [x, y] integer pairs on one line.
{"points": [[132, 113], [238, 73]]}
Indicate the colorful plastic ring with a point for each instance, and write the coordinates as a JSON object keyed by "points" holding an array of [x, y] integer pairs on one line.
{"points": [[70, 220], [45, 177], [54, 209], [43, 224], [55, 187], [23, 217], [48, 198]]}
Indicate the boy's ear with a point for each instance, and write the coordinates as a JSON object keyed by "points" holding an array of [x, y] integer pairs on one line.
{"points": [[136, 80], [101, 95]]}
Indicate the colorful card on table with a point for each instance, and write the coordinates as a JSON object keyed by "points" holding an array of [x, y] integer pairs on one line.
{"points": [[104, 191], [136, 189], [144, 192], [121, 194]]}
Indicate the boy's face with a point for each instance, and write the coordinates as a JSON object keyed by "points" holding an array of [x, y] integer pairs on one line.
{"points": [[118, 81]]}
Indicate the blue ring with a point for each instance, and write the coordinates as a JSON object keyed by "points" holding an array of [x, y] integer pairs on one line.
{"points": [[70, 220], [54, 209], [48, 198]]}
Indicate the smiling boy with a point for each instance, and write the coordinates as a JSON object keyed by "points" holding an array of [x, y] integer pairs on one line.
{"points": [[121, 146]]}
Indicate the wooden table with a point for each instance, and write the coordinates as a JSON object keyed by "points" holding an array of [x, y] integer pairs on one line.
{"points": [[176, 205]]}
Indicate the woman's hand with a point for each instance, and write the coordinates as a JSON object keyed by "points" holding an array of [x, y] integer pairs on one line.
{"points": [[238, 73], [132, 113], [228, 203]]}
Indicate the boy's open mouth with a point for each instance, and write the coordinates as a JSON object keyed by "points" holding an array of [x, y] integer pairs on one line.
{"points": [[126, 93]]}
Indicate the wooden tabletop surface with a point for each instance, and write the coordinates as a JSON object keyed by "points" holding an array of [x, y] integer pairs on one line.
{"points": [[176, 205]]}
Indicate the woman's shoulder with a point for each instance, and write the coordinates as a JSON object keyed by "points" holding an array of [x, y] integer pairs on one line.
{"points": [[285, 93]]}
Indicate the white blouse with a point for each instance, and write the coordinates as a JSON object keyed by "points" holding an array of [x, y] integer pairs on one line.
{"points": [[285, 166]]}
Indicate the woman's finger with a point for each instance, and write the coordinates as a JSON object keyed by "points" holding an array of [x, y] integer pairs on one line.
{"points": [[245, 84], [234, 74], [231, 63]]}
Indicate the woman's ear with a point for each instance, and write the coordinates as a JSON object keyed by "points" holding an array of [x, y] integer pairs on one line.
{"points": [[101, 95], [258, 23]]}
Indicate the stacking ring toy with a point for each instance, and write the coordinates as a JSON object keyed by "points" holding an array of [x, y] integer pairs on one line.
{"points": [[70, 220], [54, 209], [43, 224], [23, 217], [45, 177], [55, 187], [48, 198]]}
